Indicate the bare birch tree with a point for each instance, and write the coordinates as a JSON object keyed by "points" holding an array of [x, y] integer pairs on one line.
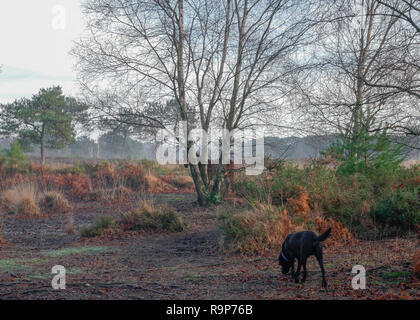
{"points": [[359, 54], [408, 10], [228, 61]]}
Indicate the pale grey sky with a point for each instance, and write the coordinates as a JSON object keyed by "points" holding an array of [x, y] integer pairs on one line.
{"points": [[34, 45]]}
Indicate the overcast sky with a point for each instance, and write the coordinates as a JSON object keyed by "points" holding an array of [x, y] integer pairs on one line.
{"points": [[34, 45]]}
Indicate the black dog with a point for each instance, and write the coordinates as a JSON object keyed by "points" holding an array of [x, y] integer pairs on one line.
{"points": [[300, 246]]}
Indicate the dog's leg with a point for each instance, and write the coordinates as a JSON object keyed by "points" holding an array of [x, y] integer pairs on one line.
{"points": [[318, 254], [304, 270], [293, 268], [296, 276]]}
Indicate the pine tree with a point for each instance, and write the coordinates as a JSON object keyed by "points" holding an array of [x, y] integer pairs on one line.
{"points": [[367, 153], [43, 120]]}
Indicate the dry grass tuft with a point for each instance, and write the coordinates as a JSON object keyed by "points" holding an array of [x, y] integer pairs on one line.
{"points": [[25, 200], [155, 184], [9, 199], [117, 194], [70, 225], [181, 182], [28, 208], [54, 201], [151, 217], [21, 199]]}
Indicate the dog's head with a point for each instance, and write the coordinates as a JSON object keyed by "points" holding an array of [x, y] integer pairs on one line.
{"points": [[285, 263]]}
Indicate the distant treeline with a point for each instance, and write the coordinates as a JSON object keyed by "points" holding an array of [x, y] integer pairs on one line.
{"points": [[117, 146], [310, 147], [107, 146]]}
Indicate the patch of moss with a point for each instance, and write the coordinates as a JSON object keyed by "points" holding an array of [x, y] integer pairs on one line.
{"points": [[194, 278], [70, 251], [396, 276], [16, 265], [47, 275]]}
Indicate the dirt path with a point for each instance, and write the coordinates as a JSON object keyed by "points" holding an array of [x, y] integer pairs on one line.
{"points": [[190, 265]]}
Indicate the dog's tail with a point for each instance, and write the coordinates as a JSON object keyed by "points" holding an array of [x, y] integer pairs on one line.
{"points": [[324, 236]]}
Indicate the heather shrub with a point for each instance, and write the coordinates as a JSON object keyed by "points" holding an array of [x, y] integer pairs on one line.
{"points": [[371, 204], [155, 184], [79, 186], [263, 227], [99, 227], [116, 194], [150, 217], [133, 175], [399, 210], [256, 229], [254, 189], [106, 175], [340, 235], [54, 201], [284, 182]]}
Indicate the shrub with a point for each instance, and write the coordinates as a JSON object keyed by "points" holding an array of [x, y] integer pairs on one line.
{"points": [[339, 233], [400, 209], [254, 189], [150, 217], [117, 194], [300, 203], [261, 228], [106, 174], [370, 206], [27, 207], [133, 175], [368, 153], [14, 160], [182, 182], [81, 186], [21, 199], [54, 201], [99, 227], [154, 184], [9, 199]]}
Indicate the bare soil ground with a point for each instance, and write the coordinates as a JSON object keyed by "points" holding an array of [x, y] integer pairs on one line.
{"points": [[188, 265]]}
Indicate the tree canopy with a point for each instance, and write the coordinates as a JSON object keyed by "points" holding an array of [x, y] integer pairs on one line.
{"points": [[45, 120]]}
